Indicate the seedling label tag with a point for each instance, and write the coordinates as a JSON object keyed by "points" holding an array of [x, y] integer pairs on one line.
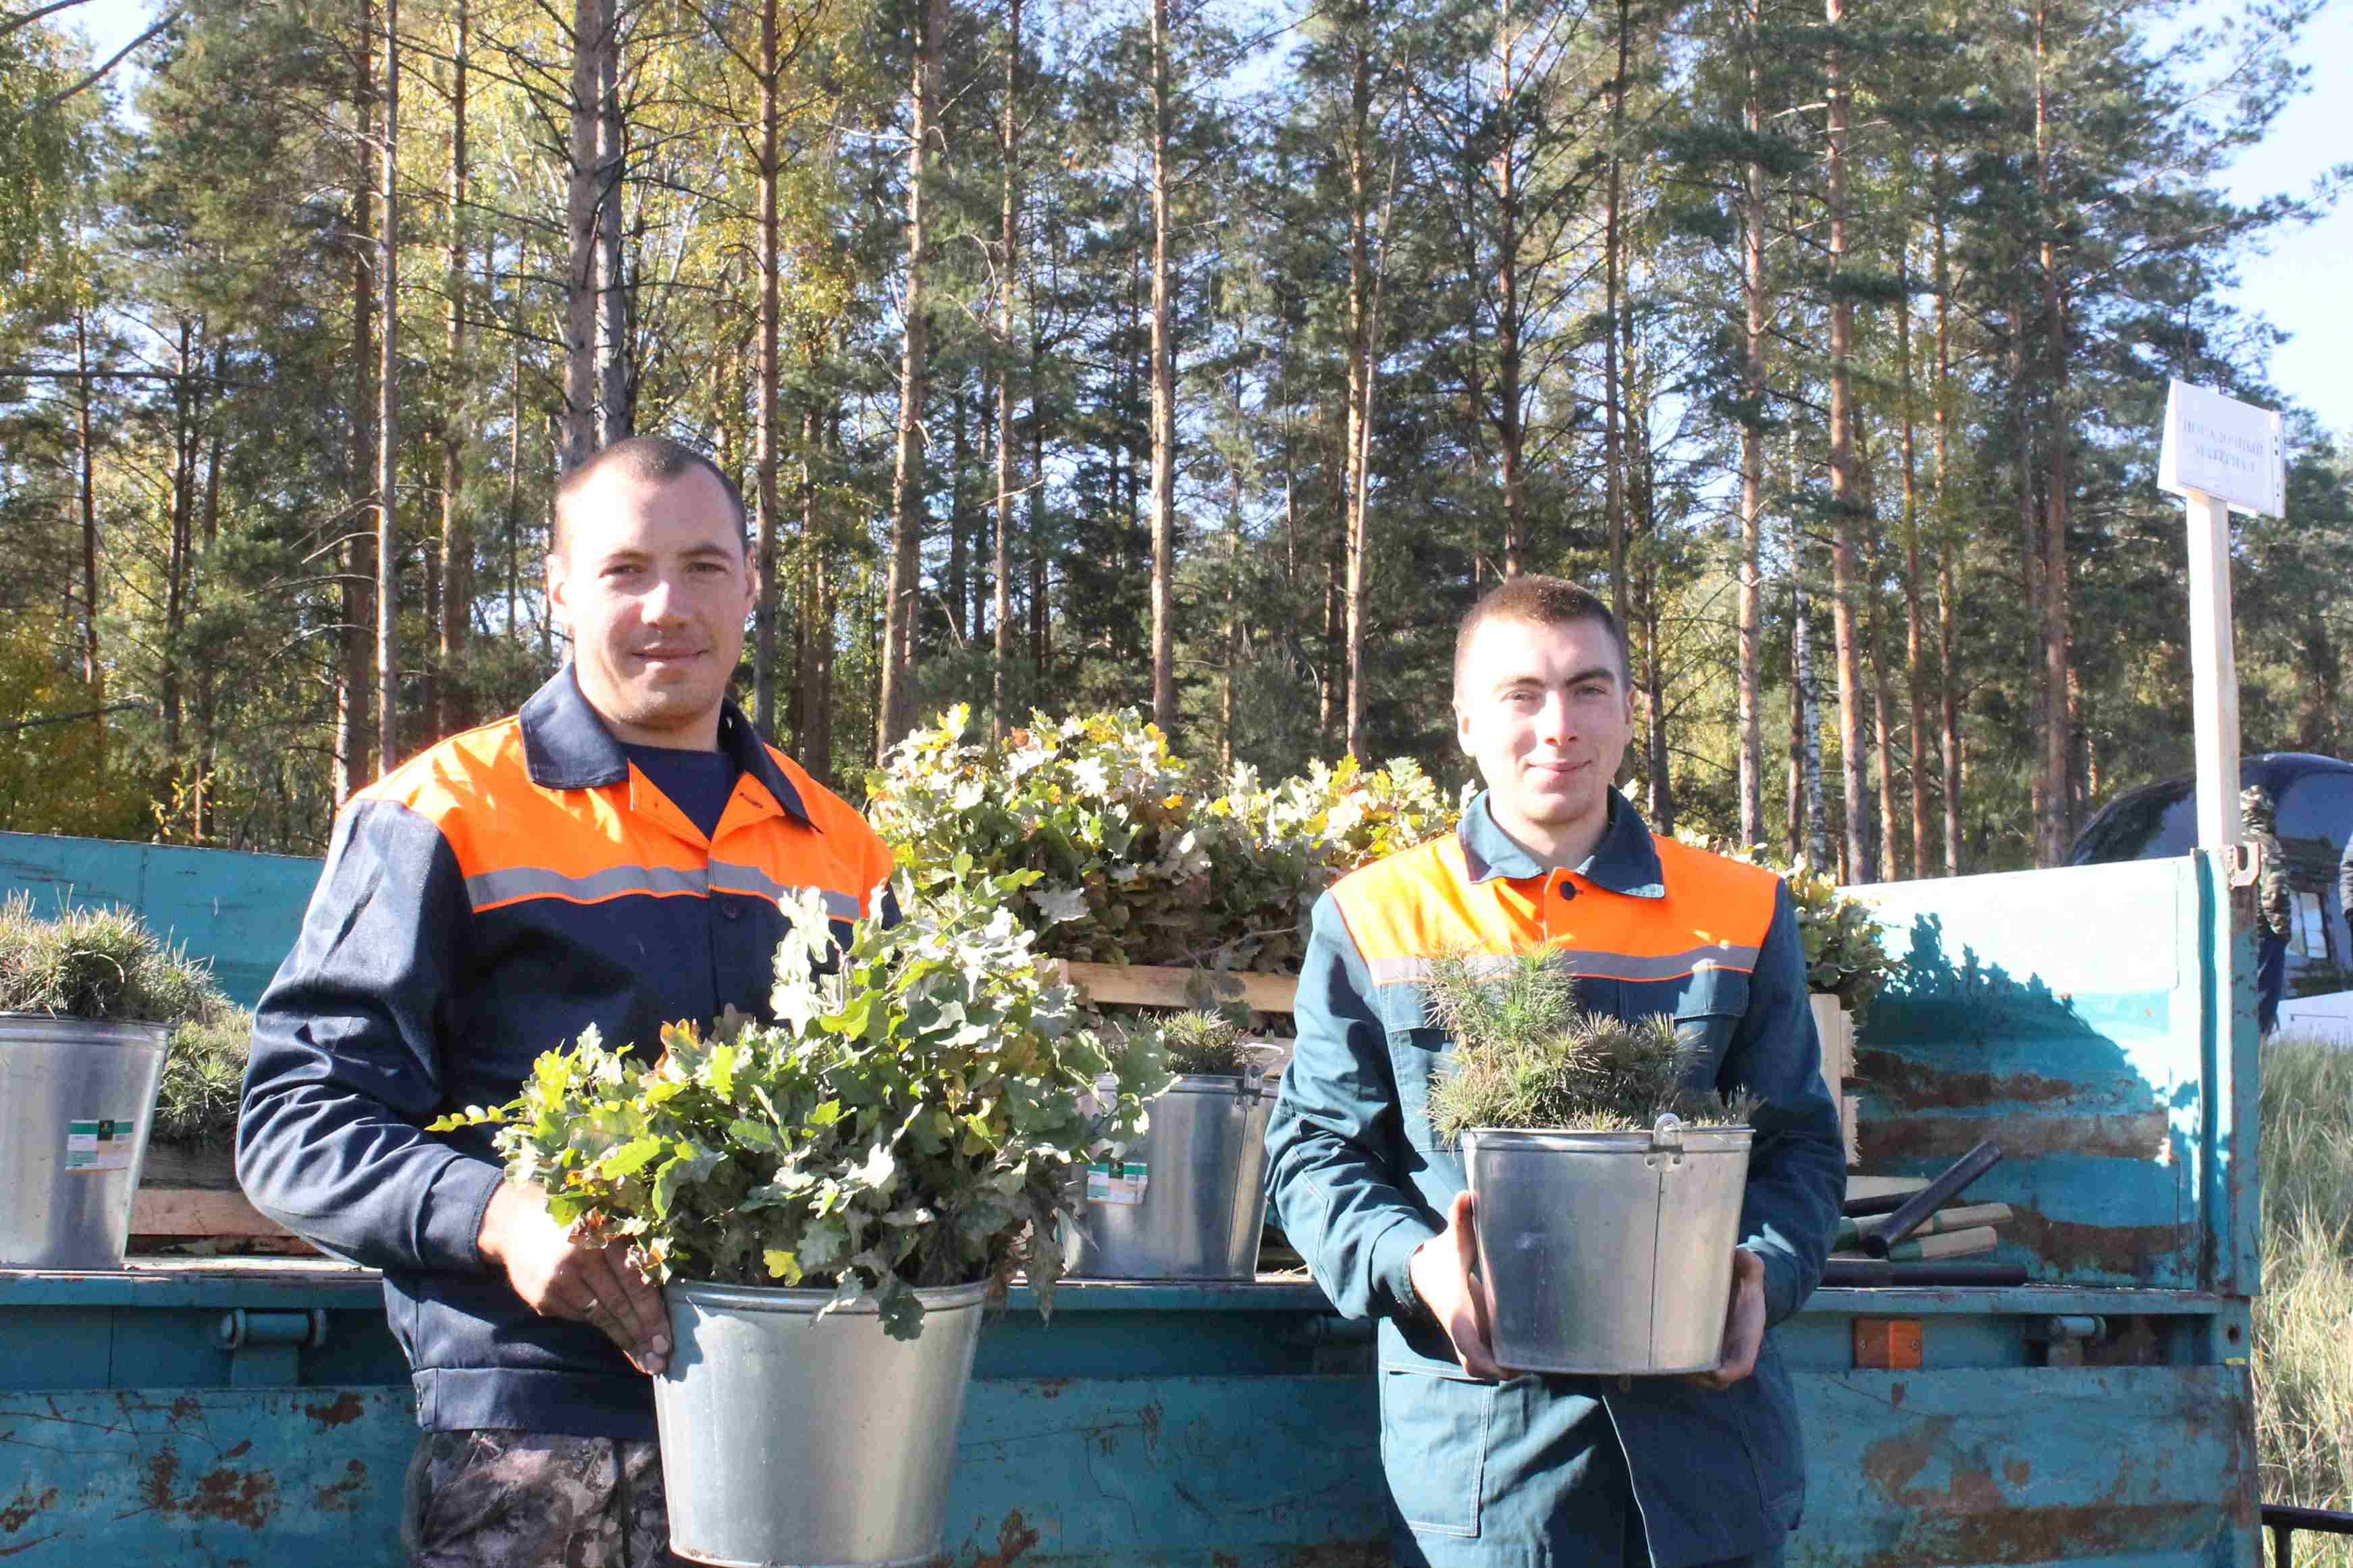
{"points": [[102, 1146], [1117, 1181]]}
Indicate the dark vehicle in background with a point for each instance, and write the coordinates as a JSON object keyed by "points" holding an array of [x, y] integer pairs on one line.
{"points": [[2307, 980]]}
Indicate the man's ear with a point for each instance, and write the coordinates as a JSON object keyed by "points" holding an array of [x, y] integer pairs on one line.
{"points": [[1462, 727], [555, 597]]}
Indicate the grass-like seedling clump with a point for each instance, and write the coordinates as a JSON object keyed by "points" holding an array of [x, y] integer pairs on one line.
{"points": [[97, 965], [204, 1074], [1202, 1042], [2303, 1319], [1527, 1057]]}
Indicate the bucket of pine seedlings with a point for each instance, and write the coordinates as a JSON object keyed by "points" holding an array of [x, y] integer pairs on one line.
{"points": [[1186, 1200], [88, 1001], [1608, 1183], [829, 1202]]}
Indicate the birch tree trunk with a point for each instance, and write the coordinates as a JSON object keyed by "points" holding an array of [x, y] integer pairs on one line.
{"points": [[93, 668], [387, 435], [355, 585], [1009, 239], [581, 189], [1508, 431], [452, 713], [763, 439], [895, 701], [1844, 499], [616, 371], [1752, 459], [1164, 400], [1613, 452]]}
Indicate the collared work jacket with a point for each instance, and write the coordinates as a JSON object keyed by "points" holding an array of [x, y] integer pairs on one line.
{"points": [[1358, 1180], [484, 902]]}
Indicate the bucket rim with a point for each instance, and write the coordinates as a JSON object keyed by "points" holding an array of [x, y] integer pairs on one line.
{"points": [[60, 1028], [796, 1302], [1211, 1083], [1569, 1140]]}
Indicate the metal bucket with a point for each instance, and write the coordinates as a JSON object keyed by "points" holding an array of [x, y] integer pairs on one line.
{"points": [[77, 1102], [1189, 1199], [792, 1441], [1608, 1252]]}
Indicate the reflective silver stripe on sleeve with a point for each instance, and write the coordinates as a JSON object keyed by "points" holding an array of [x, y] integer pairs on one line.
{"points": [[1600, 965], [612, 882], [735, 879]]}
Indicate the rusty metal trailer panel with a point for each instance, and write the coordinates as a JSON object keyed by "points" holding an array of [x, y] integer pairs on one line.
{"points": [[2084, 1018]]}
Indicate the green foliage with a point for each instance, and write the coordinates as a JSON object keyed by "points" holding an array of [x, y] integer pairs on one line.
{"points": [[101, 964], [1139, 859], [204, 1075], [1844, 955], [1526, 1056], [912, 1120], [2303, 1319]]}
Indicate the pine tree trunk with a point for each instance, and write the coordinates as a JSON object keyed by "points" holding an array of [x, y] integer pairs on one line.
{"points": [[1844, 502], [1164, 400], [895, 701], [764, 433], [1949, 739], [388, 438], [1889, 857], [452, 712], [2056, 824], [1752, 460], [2029, 554], [1360, 350], [1914, 694]]}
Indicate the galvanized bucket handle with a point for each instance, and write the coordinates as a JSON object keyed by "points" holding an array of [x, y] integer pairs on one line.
{"points": [[1666, 1142]]}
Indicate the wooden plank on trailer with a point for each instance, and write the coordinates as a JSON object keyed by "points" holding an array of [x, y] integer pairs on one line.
{"points": [[198, 1211], [1157, 985]]}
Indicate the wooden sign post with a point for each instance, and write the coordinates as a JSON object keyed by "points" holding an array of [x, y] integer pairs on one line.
{"points": [[2219, 454]]}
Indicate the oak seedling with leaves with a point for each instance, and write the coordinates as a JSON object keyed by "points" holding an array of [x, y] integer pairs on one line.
{"points": [[910, 1120]]}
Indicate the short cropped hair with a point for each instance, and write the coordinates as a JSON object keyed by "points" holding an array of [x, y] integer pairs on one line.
{"points": [[1542, 601], [645, 459]]}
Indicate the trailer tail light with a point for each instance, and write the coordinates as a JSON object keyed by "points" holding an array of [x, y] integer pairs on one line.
{"points": [[1889, 1344]]}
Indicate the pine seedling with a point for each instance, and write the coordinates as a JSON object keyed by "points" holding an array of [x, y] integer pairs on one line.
{"points": [[1527, 1057]]}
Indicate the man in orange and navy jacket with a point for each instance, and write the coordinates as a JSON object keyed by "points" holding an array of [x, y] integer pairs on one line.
{"points": [[1487, 1469], [613, 856]]}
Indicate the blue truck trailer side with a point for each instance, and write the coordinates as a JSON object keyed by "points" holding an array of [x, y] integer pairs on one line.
{"points": [[2096, 1022]]}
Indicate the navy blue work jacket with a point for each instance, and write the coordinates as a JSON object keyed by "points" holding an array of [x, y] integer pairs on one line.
{"points": [[486, 901]]}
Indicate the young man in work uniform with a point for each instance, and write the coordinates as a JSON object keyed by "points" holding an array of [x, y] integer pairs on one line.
{"points": [[612, 855], [1486, 1468]]}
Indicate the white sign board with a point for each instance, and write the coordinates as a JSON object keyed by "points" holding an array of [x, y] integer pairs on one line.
{"points": [[2220, 447]]}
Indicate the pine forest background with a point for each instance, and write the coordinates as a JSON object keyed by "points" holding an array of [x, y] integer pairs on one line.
{"points": [[1204, 356]]}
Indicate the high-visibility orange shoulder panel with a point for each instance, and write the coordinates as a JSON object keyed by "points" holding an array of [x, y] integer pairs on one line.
{"points": [[1422, 905]]}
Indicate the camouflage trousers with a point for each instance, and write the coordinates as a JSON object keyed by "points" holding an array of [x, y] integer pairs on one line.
{"points": [[534, 1500]]}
